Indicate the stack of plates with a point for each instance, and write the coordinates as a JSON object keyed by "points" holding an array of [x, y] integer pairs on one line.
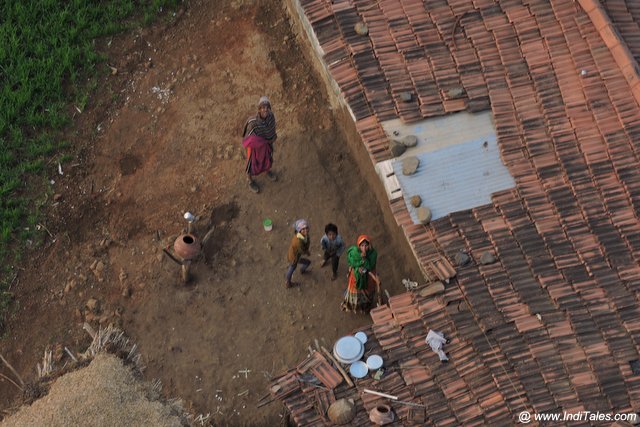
{"points": [[348, 349]]}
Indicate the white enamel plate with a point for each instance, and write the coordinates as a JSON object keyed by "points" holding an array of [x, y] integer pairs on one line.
{"points": [[358, 369], [348, 349]]}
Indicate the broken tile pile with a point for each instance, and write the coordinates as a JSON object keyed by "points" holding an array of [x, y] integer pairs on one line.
{"points": [[551, 321]]}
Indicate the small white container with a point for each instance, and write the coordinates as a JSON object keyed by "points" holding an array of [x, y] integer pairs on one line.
{"points": [[374, 362], [362, 337], [267, 224], [358, 369]]}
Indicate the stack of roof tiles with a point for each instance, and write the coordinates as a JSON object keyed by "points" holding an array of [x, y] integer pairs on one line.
{"points": [[554, 323]]}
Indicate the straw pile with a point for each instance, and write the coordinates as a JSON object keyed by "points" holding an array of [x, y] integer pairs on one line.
{"points": [[103, 393]]}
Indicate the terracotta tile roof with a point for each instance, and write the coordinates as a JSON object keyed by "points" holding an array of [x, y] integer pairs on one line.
{"points": [[554, 323]]}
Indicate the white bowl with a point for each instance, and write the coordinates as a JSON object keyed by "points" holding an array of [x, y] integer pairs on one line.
{"points": [[358, 369], [361, 336], [374, 362]]}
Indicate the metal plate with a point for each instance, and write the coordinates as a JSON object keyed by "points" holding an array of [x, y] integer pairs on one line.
{"points": [[348, 349], [374, 362], [358, 369], [362, 337], [354, 359]]}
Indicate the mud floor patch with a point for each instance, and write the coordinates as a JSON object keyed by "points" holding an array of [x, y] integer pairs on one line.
{"points": [[129, 164]]}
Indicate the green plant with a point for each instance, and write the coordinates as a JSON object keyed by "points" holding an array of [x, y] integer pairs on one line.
{"points": [[47, 54], [65, 158], [157, 7]]}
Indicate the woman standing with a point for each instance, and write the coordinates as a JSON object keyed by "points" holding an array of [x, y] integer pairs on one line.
{"points": [[258, 135], [363, 278]]}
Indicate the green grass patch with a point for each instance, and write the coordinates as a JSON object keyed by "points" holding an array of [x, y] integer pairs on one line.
{"points": [[155, 8], [47, 63]]}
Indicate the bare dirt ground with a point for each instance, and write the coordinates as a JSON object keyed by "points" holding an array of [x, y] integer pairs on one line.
{"points": [[161, 138]]}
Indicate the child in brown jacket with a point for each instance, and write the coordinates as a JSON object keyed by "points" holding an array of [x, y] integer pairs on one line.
{"points": [[299, 246]]}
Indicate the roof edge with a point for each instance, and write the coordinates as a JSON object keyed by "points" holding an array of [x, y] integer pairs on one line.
{"points": [[616, 44]]}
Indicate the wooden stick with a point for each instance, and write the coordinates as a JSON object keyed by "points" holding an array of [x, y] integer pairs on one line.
{"points": [[338, 366], [87, 327], [377, 393], [378, 292], [265, 400], [12, 370], [207, 236], [11, 381], [394, 398], [374, 277], [171, 256], [417, 405], [185, 271], [70, 354]]}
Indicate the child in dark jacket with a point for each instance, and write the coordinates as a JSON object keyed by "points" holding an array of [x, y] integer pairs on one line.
{"points": [[332, 247], [299, 246]]}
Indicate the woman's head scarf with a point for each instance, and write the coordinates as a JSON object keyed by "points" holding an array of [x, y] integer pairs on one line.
{"points": [[362, 238], [264, 128], [264, 101]]}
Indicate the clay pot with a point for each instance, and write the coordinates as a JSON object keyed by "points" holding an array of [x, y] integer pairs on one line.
{"points": [[342, 411], [381, 415], [187, 246]]}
